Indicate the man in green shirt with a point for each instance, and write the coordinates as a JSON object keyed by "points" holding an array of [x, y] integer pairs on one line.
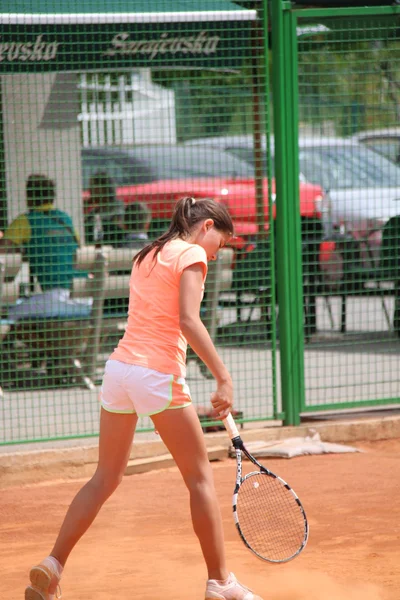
{"points": [[45, 235], [48, 240]]}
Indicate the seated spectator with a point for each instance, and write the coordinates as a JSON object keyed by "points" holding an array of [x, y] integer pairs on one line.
{"points": [[137, 220], [47, 238], [105, 222]]}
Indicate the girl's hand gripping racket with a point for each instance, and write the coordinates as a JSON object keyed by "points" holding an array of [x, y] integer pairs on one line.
{"points": [[268, 515]]}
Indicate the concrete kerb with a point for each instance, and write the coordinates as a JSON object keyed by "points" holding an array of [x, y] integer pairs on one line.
{"points": [[55, 463]]}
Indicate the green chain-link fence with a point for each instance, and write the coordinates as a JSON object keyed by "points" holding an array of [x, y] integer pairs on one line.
{"points": [[107, 110], [349, 86]]}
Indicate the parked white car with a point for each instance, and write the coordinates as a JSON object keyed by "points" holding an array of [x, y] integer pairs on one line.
{"points": [[364, 187]]}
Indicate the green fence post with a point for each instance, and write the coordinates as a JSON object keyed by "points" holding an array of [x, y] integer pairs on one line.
{"points": [[289, 262], [271, 229]]}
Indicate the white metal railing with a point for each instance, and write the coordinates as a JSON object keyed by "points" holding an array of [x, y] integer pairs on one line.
{"points": [[132, 110]]}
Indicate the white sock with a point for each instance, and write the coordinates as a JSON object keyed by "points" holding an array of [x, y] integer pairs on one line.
{"points": [[223, 582], [55, 564]]}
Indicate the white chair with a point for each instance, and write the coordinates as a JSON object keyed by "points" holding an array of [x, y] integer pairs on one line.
{"points": [[47, 351], [10, 266]]}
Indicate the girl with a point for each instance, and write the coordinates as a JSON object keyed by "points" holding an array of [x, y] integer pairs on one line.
{"points": [[145, 376]]}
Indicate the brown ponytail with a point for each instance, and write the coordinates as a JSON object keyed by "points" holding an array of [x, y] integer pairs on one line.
{"points": [[187, 213]]}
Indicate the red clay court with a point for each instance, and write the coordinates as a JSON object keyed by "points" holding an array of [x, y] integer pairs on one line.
{"points": [[142, 546]]}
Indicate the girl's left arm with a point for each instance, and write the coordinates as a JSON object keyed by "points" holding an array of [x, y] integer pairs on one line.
{"points": [[192, 327]]}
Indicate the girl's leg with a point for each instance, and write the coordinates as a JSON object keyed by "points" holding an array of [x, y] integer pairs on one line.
{"points": [[181, 432], [115, 441]]}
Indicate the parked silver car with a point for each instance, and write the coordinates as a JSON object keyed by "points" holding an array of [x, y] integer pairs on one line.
{"points": [[364, 187]]}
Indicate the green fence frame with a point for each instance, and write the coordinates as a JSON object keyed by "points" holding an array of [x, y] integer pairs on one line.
{"points": [[32, 414], [289, 276]]}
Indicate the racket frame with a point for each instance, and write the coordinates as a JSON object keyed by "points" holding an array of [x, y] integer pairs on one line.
{"points": [[240, 449]]}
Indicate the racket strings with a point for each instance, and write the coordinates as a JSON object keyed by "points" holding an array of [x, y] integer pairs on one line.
{"points": [[270, 517]]}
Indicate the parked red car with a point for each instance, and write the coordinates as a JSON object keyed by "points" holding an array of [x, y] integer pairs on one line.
{"points": [[161, 174]]}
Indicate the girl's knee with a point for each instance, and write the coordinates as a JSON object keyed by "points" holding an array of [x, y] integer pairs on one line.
{"points": [[106, 483], [199, 481]]}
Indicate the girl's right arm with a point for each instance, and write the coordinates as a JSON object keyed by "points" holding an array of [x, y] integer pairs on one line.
{"points": [[196, 334]]}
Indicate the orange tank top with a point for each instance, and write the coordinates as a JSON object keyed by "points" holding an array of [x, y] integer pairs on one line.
{"points": [[153, 337]]}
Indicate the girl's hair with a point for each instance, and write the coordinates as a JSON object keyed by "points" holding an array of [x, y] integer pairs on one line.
{"points": [[187, 213]]}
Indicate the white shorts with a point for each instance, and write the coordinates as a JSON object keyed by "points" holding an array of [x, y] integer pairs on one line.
{"points": [[133, 389]]}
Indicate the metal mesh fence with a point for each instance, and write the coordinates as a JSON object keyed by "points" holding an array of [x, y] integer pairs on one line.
{"points": [[110, 112], [349, 81]]}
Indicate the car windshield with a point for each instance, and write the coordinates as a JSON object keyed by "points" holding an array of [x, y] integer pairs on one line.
{"points": [[247, 153], [337, 167], [388, 147], [145, 164], [344, 167], [117, 165], [190, 162]]}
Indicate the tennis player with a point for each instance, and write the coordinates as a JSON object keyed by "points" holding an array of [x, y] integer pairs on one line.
{"points": [[145, 376]]}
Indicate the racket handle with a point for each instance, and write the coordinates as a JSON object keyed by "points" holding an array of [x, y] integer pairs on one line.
{"points": [[230, 426]]}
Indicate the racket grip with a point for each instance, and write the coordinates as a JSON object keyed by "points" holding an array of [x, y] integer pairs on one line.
{"points": [[230, 426]]}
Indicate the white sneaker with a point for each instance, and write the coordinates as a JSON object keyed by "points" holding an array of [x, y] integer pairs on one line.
{"points": [[231, 590], [44, 576]]}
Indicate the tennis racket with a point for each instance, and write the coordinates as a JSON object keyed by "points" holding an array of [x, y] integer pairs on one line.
{"points": [[268, 515]]}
